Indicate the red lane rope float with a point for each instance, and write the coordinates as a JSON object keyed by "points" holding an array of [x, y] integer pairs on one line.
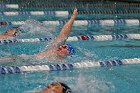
{"points": [[3, 23], [84, 37]]}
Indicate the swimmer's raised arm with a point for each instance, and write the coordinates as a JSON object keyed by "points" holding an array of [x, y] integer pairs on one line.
{"points": [[56, 51], [62, 37]]}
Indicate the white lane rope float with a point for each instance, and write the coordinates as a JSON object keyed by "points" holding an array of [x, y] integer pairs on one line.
{"points": [[77, 38], [115, 22], [59, 67]]}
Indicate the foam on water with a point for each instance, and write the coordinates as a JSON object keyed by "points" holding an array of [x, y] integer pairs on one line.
{"points": [[92, 85], [33, 27]]}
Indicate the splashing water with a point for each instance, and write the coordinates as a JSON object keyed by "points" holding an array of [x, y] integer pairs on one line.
{"points": [[87, 54], [33, 27], [92, 85]]}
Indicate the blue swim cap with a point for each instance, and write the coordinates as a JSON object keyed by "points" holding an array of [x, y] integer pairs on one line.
{"points": [[71, 49]]}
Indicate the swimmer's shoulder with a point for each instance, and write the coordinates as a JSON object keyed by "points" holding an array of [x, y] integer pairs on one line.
{"points": [[2, 37]]}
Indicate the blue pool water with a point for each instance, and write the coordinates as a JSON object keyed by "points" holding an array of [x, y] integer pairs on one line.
{"points": [[119, 79]]}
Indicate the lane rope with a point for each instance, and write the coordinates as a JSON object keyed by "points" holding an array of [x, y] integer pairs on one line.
{"points": [[59, 67], [67, 13], [36, 13], [46, 1], [42, 5], [77, 38], [115, 22]]}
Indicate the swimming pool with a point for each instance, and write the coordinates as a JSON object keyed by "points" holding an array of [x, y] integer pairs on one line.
{"points": [[95, 79]]}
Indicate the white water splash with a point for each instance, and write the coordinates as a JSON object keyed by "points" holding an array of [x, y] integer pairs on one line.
{"points": [[92, 85], [33, 27]]}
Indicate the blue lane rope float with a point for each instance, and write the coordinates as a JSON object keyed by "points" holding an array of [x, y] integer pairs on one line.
{"points": [[60, 67], [115, 22], [67, 13], [77, 38], [41, 5]]}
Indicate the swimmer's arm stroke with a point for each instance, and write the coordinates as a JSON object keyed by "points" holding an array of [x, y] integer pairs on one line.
{"points": [[62, 37]]}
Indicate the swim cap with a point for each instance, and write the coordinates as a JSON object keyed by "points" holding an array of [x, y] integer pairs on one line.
{"points": [[71, 49], [66, 89]]}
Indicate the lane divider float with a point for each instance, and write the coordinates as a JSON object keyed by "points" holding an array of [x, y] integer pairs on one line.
{"points": [[67, 13], [77, 38], [59, 67], [42, 5], [115, 22]]}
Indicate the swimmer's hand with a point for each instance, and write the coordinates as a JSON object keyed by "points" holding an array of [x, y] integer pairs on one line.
{"points": [[75, 12]]}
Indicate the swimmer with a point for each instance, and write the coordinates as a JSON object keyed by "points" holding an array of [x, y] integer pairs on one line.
{"points": [[56, 87], [10, 34], [56, 52], [59, 50]]}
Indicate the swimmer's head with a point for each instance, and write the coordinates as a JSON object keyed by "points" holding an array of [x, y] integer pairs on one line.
{"points": [[66, 89], [65, 50], [57, 87], [12, 32]]}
